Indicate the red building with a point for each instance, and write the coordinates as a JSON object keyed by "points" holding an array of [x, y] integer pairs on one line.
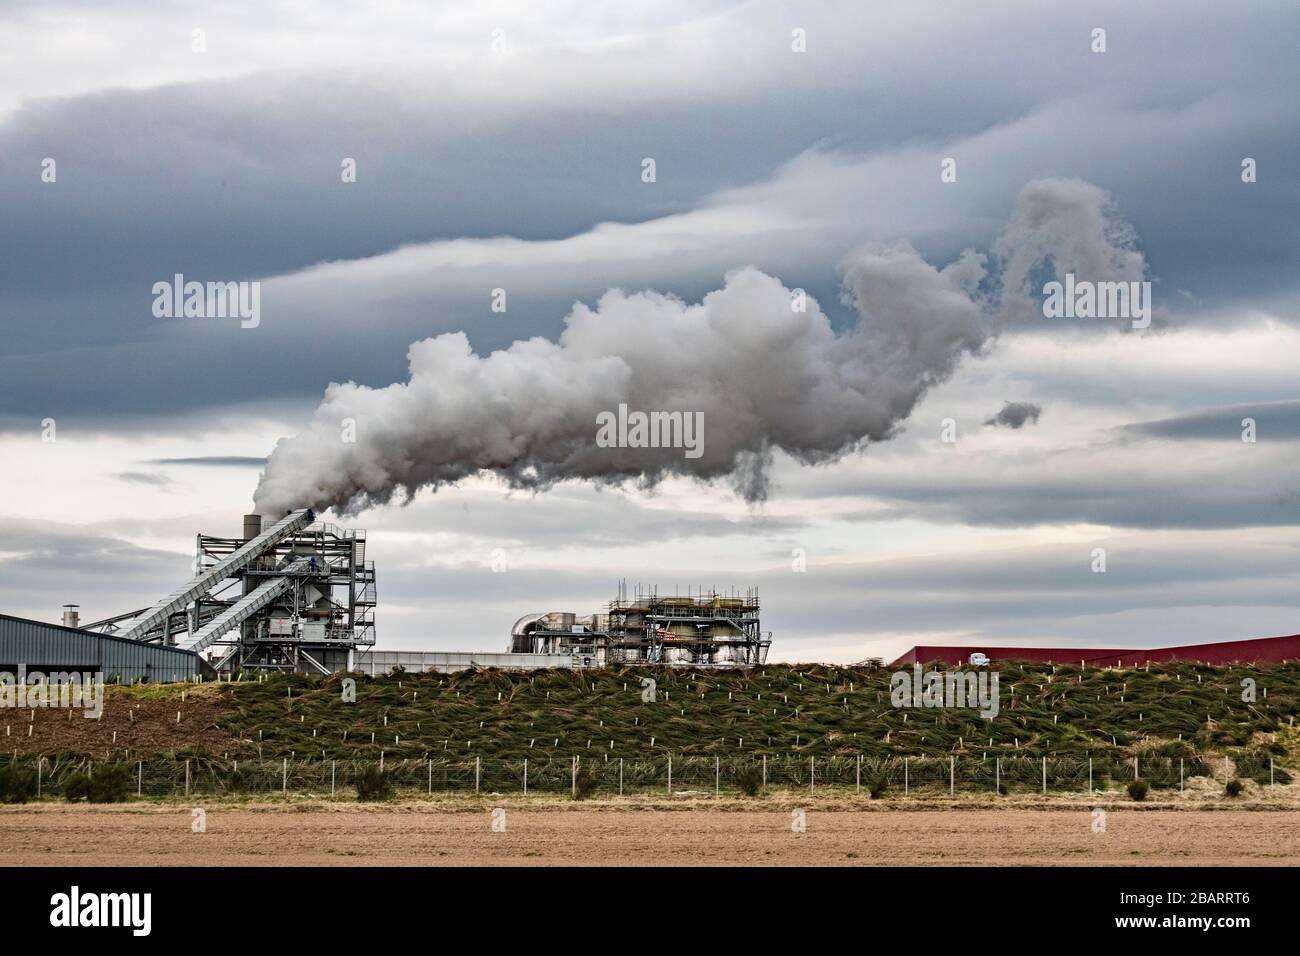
{"points": [[1262, 649]]}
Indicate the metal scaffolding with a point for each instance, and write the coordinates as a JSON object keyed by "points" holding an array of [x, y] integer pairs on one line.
{"points": [[297, 597], [702, 629]]}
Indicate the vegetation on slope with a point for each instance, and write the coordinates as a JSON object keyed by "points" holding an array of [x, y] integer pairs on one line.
{"points": [[1175, 710], [792, 712]]}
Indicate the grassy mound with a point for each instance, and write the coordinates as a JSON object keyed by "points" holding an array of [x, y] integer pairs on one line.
{"points": [[1183, 711]]}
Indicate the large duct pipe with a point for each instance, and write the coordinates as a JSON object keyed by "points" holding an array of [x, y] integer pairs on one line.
{"points": [[71, 615]]}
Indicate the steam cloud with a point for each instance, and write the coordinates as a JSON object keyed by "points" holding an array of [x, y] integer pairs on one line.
{"points": [[766, 375]]}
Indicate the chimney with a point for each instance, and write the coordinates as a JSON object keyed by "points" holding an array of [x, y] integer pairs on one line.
{"points": [[71, 616], [252, 526]]}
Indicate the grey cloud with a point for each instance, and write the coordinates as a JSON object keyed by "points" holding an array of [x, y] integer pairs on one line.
{"points": [[215, 461], [1016, 415], [1122, 484], [1273, 421], [153, 479], [569, 516], [249, 167], [44, 565]]}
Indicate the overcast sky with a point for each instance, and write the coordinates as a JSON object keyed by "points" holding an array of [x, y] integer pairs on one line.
{"points": [[502, 146]]}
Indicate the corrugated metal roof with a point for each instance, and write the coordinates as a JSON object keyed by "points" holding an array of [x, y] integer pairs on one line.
{"points": [[1269, 649], [41, 646]]}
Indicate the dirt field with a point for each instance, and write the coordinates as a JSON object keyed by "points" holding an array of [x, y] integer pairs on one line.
{"points": [[539, 833]]}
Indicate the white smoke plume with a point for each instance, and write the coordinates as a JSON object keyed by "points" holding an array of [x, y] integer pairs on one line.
{"points": [[1060, 226], [765, 375]]}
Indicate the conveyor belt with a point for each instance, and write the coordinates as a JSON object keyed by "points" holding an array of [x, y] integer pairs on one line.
{"points": [[204, 582], [241, 610]]}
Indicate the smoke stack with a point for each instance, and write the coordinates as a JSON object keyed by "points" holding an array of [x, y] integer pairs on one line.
{"points": [[71, 616], [252, 526]]}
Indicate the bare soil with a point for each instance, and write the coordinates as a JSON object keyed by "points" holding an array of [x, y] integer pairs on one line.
{"points": [[131, 725], [607, 833]]}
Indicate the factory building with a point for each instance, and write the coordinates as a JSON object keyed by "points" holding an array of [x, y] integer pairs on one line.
{"points": [[294, 596], [49, 648], [706, 629]]}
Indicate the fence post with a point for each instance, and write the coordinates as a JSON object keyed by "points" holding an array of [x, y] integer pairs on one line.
{"points": [[906, 785], [858, 777], [997, 776], [765, 770], [1180, 774], [574, 777], [477, 768], [525, 775], [952, 776], [1135, 767], [812, 774], [670, 775], [139, 778], [429, 761], [1090, 775], [284, 775], [717, 775], [1270, 771], [1044, 775], [187, 778], [620, 776], [333, 769], [40, 765]]}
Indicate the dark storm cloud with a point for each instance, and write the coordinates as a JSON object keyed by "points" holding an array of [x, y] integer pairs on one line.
{"points": [[239, 178]]}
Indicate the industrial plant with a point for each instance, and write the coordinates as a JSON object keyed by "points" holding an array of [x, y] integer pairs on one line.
{"points": [[299, 595], [296, 596], [708, 629]]}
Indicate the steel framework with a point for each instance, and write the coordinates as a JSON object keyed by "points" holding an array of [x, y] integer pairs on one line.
{"points": [[298, 596]]}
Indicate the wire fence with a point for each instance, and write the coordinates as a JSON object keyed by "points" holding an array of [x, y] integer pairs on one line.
{"points": [[583, 776]]}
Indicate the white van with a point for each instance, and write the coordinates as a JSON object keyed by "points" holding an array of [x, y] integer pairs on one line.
{"points": [[979, 660]]}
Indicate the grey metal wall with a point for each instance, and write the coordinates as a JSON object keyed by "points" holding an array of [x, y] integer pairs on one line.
{"points": [[48, 647], [381, 662]]}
